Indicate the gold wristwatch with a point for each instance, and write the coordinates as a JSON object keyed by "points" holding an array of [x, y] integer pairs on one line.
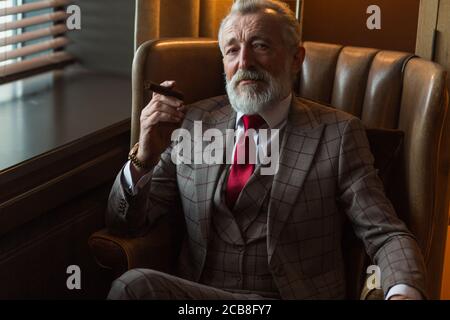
{"points": [[133, 158]]}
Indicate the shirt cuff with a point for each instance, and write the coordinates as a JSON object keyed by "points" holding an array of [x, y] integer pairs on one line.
{"points": [[404, 290], [128, 183]]}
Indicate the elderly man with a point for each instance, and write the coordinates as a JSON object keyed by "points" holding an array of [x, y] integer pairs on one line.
{"points": [[255, 236]]}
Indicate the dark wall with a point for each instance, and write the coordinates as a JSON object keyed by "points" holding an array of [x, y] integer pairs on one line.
{"points": [[344, 22], [105, 41]]}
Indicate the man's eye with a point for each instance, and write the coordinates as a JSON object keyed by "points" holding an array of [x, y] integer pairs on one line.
{"points": [[260, 46], [231, 51]]}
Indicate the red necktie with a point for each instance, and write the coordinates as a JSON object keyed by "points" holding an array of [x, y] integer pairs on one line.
{"points": [[240, 173]]}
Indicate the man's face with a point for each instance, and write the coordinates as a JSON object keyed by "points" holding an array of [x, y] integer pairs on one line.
{"points": [[259, 67]]}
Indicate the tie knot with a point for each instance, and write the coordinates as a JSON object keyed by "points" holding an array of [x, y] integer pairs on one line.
{"points": [[254, 121]]}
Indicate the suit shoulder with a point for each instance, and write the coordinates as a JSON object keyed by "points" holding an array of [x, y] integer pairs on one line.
{"points": [[326, 114]]}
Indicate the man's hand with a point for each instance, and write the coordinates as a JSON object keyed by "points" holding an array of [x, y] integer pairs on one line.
{"points": [[158, 119]]}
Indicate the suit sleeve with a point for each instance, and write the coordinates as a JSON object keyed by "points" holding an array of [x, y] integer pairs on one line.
{"points": [[386, 238], [134, 213]]}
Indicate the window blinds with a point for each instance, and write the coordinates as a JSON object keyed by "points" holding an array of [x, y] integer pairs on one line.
{"points": [[32, 37]]}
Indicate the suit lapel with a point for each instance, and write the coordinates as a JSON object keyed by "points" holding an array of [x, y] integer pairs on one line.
{"points": [[298, 147], [206, 176]]}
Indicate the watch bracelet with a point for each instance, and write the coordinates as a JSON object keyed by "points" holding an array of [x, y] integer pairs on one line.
{"points": [[133, 158]]}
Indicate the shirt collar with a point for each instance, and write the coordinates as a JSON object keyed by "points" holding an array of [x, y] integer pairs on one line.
{"points": [[274, 116]]}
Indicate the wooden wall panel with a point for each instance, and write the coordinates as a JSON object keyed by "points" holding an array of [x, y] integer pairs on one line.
{"points": [[428, 15], [56, 202], [344, 22], [179, 18], [442, 49], [35, 257], [443, 34], [211, 15], [446, 278], [36, 251]]}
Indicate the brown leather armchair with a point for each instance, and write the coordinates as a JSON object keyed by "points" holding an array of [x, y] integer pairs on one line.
{"points": [[385, 89]]}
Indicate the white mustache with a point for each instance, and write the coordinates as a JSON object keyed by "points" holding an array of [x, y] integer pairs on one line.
{"points": [[243, 74]]}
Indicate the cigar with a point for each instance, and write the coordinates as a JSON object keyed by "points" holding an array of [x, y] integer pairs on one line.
{"points": [[164, 90]]}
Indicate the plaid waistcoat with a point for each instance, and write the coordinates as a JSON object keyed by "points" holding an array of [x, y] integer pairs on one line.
{"points": [[237, 258]]}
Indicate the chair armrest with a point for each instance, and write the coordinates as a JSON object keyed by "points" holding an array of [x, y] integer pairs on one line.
{"points": [[155, 250], [371, 294], [374, 294]]}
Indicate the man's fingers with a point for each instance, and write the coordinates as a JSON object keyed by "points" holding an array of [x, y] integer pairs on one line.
{"points": [[183, 108], [160, 116], [168, 109], [168, 100], [159, 103], [164, 108]]}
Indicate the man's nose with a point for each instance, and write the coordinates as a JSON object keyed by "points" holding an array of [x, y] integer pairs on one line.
{"points": [[246, 59]]}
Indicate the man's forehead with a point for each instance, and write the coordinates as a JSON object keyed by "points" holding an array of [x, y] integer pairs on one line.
{"points": [[260, 23]]}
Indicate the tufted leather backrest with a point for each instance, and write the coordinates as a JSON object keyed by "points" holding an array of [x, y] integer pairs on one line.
{"points": [[362, 81], [385, 89]]}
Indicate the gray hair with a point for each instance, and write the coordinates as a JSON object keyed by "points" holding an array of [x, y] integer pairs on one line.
{"points": [[291, 29]]}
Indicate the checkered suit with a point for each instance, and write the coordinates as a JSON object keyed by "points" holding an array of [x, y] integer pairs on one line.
{"points": [[326, 175]]}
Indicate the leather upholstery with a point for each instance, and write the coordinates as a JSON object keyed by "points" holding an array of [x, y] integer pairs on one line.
{"points": [[119, 252], [319, 67], [386, 89], [424, 174], [352, 66]]}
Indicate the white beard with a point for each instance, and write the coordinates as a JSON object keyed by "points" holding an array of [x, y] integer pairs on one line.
{"points": [[249, 99]]}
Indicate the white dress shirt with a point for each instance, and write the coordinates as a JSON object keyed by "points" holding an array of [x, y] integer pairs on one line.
{"points": [[275, 118]]}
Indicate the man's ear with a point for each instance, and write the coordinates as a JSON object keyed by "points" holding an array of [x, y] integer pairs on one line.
{"points": [[299, 56]]}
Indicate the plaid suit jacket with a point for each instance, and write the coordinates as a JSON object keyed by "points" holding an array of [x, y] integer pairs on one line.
{"points": [[325, 176]]}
